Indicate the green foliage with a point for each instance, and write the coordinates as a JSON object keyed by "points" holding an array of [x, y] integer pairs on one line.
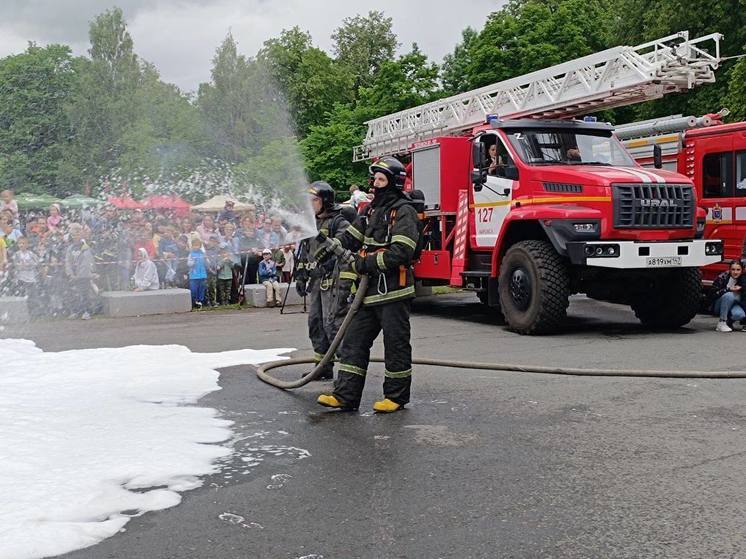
{"points": [[528, 35], [362, 44], [455, 70], [310, 80], [34, 87], [328, 148]]}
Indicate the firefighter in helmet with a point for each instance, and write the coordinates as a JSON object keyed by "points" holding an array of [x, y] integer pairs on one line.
{"points": [[385, 237], [327, 284]]}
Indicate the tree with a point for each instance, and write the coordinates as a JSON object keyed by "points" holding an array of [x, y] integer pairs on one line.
{"points": [[362, 44], [455, 70], [34, 87], [308, 78], [406, 82], [642, 20], [528, 35]]}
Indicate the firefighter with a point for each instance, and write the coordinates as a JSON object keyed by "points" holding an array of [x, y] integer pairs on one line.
{"points": [[329, 283], [386, 237]]}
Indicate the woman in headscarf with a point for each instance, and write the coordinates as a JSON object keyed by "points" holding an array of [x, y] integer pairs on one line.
{"points": [[146, 274]]}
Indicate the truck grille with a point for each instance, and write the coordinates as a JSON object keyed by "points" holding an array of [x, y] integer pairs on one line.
{"points": [[653, 206]]}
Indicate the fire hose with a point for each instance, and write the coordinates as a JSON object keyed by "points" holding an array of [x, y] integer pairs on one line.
{"points": [[262, 371]]}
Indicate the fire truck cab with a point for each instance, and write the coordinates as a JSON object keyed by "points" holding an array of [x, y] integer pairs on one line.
{"points": [[528, 211]]}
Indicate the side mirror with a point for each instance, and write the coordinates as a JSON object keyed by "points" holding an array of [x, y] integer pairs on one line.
{"points": [[478, 178], [657, 157], [478, 157], [511, 171]]}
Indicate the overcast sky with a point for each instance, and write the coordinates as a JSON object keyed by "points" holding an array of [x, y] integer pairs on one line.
{"points": [[180, 36]]}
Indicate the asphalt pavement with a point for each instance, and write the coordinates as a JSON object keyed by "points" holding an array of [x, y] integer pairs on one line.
{"points": [[480, 464]]}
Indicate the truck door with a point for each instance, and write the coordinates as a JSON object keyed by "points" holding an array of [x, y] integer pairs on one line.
{"points": [[492, 201], [714, 163]]}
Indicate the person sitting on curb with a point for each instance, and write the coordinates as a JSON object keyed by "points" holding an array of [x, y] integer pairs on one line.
{"points": [[268, 277], [727, 295], [146, 273]]}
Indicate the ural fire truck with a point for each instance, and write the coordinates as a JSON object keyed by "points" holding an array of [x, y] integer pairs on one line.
{"points": [[527, 205], [713, 156]]}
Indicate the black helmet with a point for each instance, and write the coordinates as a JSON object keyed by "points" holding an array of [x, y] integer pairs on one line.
{"points": [[323, 191], [392, 168]]}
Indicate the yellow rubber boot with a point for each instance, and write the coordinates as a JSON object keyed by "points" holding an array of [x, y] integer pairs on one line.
{"points": [[329, 401], [386, 406]]}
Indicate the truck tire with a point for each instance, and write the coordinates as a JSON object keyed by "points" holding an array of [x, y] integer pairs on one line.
{"points": [[673, 300], [534, 288]]}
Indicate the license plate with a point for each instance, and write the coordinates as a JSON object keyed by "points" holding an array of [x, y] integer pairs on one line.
{"points": [[662, 261]]}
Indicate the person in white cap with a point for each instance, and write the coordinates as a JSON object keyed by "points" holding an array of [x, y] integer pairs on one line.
{"points": [[269, 278]]}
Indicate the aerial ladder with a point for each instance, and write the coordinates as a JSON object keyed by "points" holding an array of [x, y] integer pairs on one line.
{"points": [[611, 78]]}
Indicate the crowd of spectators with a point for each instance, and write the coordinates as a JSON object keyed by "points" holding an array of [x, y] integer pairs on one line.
{"points": [[61, 260]]}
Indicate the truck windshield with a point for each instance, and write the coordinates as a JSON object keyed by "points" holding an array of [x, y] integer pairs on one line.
{"points": [[568, 147]]}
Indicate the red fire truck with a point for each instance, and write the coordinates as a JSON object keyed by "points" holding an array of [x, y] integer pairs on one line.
{"points": [[713, 156], [526, 205]]}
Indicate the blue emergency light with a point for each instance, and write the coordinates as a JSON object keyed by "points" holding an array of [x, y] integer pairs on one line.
{"points": [[590, 119]]}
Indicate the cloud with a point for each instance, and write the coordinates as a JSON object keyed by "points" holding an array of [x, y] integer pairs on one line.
{"points": [[180, 36]]}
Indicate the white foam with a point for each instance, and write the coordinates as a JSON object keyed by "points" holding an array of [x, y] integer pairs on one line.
{"points": [[89, 435]]}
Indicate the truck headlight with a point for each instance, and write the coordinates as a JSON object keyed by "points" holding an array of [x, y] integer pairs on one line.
{"points": [[714, 248], [585, 227], [601, 251]]}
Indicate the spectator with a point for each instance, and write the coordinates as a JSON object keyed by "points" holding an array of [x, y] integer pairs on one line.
{"points": [[277, 237], [146, 274], [268, 277], [206, 229], [225, 276], [295, 235], [54, 220], [168, 250], [26, 270], [227, 213], [212, 260], [264, 235], [289, 262], [79, 271], [8, 203], [248, 245], [3, 256], [357, 196], [197, 274], [229, 239], [727, 292], [10, 233]]}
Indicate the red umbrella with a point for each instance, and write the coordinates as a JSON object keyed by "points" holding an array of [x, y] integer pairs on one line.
{"points": [[125, 203], [160, 201]]}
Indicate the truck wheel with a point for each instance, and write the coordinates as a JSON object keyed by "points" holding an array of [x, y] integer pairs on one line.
{"points": [[673, 299], [534, 287]]}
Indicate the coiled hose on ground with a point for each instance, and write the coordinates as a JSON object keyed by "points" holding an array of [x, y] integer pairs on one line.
{"points": [[263, 375]]}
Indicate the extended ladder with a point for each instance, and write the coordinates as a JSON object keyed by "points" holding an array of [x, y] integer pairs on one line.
{"points": [[611, 78]]}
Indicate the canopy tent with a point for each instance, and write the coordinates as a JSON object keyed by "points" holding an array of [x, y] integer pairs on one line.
{"points": [[28, 201], [217, 203], [125, 203], [160, 201], [79, 201]]}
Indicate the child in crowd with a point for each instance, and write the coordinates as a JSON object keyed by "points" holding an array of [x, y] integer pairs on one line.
{"points": [[268, 277], [287, 267], [26, 267], [146, 274], [7, 203], [197, 274], [54, 220], [225, 276]]}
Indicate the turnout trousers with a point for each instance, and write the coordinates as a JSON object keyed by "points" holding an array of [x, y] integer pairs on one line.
{"points": [[393, 319], [326, 310]]}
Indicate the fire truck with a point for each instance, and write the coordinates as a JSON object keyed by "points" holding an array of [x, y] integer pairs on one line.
{"points": [[527, 205], [713, 156]]}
